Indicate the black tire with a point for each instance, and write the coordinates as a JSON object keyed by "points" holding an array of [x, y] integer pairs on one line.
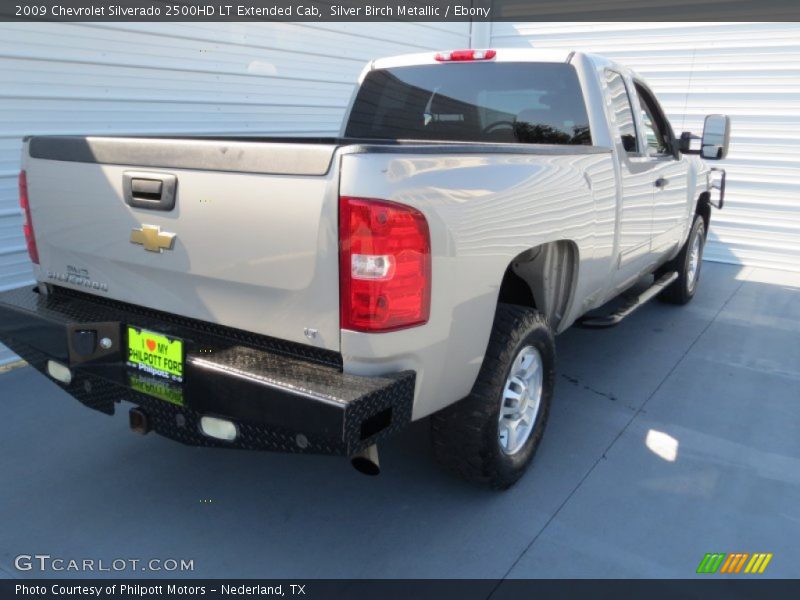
{"points": [[465, 434], [683, 288]]}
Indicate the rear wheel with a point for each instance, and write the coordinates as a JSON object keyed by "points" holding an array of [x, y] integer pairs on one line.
{"points": [[687, 264], [491, 436]]}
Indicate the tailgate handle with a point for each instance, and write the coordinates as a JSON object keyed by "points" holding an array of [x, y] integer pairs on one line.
{"points": [[155, 191], [147, 188]]}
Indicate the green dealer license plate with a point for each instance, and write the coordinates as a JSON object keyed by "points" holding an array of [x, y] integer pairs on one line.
{"points": [[155, 353]]}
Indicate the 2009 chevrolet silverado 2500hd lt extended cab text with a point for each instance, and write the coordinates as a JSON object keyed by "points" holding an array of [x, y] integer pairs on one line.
{"points": [[317, 295]]}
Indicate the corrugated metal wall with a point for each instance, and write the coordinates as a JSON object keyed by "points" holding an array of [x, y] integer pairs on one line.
{"points": [[749, 71], [226, 78]]}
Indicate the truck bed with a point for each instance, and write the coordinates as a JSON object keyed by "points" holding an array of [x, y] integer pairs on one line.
{"points": [[254, 223]]}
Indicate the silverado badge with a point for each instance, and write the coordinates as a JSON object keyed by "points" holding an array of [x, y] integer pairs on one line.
{"points": [[152, 238]]}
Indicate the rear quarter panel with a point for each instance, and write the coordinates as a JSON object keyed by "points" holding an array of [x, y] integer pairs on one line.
{"points": [[483, 210]]}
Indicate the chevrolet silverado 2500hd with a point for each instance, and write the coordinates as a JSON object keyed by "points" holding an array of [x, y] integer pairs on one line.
{"points": [[317, 295]]}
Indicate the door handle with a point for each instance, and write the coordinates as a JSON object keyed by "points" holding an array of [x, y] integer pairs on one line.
{"points": [[661, 182], [155, 191]]}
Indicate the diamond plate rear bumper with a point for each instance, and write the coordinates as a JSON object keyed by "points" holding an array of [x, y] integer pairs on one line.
{"points": [[282, 396]]}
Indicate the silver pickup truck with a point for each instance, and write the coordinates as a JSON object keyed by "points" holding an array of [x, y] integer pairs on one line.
{"points": [[317, 295]]}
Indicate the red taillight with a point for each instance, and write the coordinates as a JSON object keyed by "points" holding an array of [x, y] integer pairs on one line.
{"points": [[27, 226], [461, 55], [384, 265]]}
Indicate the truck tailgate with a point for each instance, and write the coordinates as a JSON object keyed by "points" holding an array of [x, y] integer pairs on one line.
{"points": [[251, 242]]}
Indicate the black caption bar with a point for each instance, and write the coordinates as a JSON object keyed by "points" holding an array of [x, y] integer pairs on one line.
{"points": [[463, 589], [399, 10], [244, 10]]}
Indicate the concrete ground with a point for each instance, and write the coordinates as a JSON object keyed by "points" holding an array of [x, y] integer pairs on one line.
{"points": [[672, 435]]}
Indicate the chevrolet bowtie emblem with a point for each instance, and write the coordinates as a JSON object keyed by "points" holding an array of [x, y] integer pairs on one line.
{"points": [[152, 238]]}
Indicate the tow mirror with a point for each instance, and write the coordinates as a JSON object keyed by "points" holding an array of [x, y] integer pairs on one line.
{"points": [[716, 137]]}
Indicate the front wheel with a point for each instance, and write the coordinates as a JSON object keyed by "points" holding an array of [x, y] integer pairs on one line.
{"points": [[491, 436], [687, 264]]}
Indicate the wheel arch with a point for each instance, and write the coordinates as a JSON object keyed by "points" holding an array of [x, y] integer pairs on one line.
{"points": [[544, 278], [703, 208]]}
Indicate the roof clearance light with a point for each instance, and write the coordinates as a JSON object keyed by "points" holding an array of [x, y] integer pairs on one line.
{"points": [[465, 55]]}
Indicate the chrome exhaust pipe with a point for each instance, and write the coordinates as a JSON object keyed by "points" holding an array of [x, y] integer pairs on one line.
{"points": [[366, 461]]}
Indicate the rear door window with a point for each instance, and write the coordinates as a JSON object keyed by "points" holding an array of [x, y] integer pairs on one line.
{"points": [[531, 103]]}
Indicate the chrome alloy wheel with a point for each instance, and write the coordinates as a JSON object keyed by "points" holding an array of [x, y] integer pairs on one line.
{"points": [[522, 398], [693, 269]]}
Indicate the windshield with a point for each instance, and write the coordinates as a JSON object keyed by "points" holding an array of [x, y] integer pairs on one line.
{"points": [[531, 103]]}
